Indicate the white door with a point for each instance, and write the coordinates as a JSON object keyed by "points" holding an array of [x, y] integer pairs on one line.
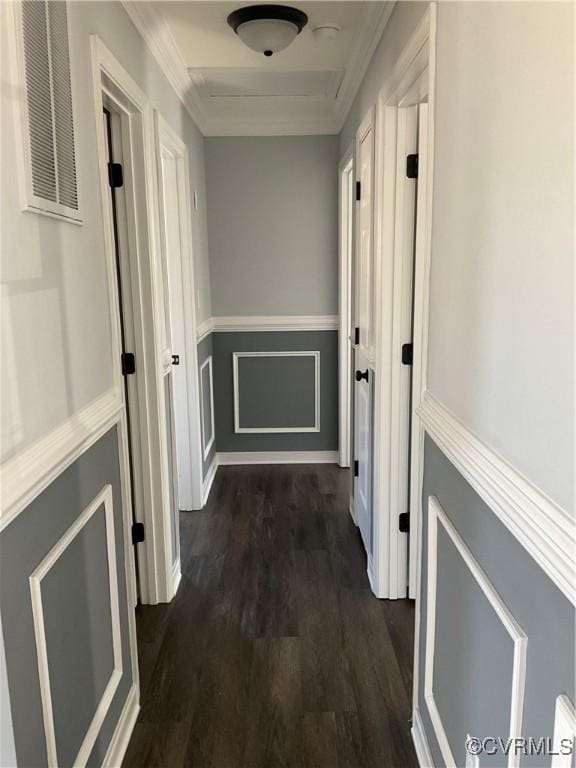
{"points": [[363, 331], [176, 321]]}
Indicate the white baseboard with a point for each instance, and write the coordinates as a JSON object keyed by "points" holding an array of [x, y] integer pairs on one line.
{"points": [[352, 511], [121, 736], [420, 741], [176, 577], [209, 479], [278, 457]]}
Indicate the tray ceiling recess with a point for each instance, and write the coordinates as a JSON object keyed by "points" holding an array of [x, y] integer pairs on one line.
{"points": [[231, 90]]}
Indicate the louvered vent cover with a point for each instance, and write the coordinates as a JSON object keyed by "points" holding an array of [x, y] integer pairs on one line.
{"points": [[49, 96]]}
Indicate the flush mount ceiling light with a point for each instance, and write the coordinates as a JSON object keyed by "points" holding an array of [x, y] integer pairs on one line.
{"points": [[267, 29]]}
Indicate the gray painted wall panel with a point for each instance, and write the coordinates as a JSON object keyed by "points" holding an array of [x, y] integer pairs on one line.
{"points": [[543, 612], [276, 392], [205, 350], [273, 224], [473, 656], [227, 343], [23, 545], [78, 625]]}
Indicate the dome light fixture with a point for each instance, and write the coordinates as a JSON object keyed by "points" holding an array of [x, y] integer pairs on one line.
{"points": [[267, 29]]}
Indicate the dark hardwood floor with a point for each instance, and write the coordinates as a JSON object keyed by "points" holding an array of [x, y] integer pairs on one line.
{"points": [[274, 653]]}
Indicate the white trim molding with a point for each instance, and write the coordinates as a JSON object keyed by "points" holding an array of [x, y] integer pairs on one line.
{"points": [[315, 354], [261, 323], [277, 323], [437, 516], [277, 457], [207, 443], [103, 499], [543, 528], [209, 479], [124, 727], [421, 741], [564, 733], [203, 329], [26, 475]]}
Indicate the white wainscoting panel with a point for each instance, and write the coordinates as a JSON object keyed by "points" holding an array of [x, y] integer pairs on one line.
{"points": [[420, 741], [209, 479], [436, 517], [564, 733], [207, 440], [121, 736], [104, 498], [278, 429], [546, 531]]}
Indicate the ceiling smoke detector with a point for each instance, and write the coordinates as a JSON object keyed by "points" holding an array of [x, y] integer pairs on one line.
{"points": [[326, 31], [267, 29]]}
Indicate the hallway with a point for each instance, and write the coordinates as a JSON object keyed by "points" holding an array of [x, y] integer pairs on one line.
{"points": [[274, 651]]}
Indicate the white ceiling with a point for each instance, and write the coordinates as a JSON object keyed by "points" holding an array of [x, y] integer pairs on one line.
{"points": [[231, 90]]}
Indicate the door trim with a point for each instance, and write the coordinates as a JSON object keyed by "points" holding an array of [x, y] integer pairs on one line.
{"points": [[346, 172], [110, 78]]}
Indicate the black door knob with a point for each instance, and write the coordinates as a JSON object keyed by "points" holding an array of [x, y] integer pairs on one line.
{"points": [[175, 359], [362, 375]]}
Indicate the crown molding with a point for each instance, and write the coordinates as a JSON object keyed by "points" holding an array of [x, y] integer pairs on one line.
{"points": [[159, 39], [157, 35], [375, 19]]}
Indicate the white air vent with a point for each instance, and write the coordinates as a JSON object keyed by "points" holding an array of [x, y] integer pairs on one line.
{"points": [[47, 119]]}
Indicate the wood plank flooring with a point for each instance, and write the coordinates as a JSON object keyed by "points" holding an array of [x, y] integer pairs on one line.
{"points": [[274, 653]]}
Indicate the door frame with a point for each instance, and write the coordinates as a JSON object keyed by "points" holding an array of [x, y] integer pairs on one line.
{"points": [[411, 82], [154, 572], [346, 171], [166, 138]]}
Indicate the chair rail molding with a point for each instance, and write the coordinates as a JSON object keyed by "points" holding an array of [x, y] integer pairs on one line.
{"points": [[24, 476], [277, 323], [545, 530]]}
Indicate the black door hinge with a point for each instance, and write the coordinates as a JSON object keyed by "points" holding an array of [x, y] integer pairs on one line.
{"points": [[356, 335], [137, 533], [128, 363], [407, 354], [356, 467], [412, 166], [115, 175], [358, 190], [404, 522]]}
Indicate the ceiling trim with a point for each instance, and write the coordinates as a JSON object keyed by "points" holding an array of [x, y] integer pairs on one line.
{"points": [[157, 35], [374, 23], [159, 39]]}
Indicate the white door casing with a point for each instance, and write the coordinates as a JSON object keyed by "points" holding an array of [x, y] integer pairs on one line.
{"points": [[175, 309], [401, 378], [346, 247], [363, 350]]}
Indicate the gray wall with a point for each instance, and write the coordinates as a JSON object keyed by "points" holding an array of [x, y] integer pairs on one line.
{"points": [[205, 350], [273, 225], [76, 610], [472, 674], [267, 391]]}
